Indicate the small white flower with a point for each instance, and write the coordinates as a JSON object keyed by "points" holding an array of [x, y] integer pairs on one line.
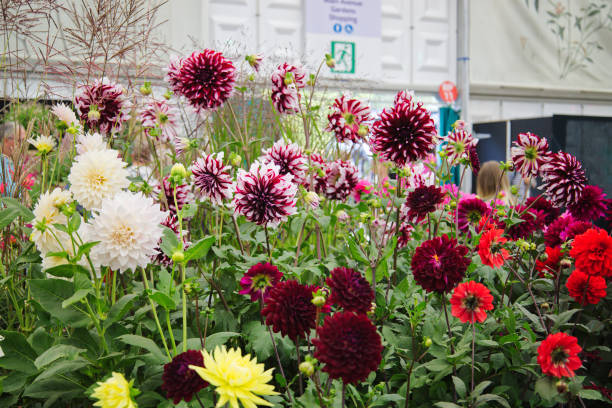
{"points": [[44, 144], [89, 142], [65, 114], [46, 213], [312, 199]]}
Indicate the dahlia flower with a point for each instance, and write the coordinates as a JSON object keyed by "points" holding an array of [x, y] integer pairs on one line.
{"points": [[287, 80], [97, 175], [89, 142], [590, 206], [263, 195], [551, 264], [289, 159], [563, 179], [254, 61], [552, 234], [470, 211], [540, 203], [289, 309], [575, 228], [586, 289], [423, 200], [558, 355], [350, 290], [405, 132], [160, 116], [349, 346], [181, 382], [128, 228], [236, 377], [312, 199], [212, 179], [362, 187], [490, 248], [439, 264], [341, 177], [470, 302], [183, 144], [530, 154], [115, 392], [474, 160], [44, 144], [532, 220], [47, 212], [458, 144], [206, 79], [64, 114], [259, 280], [102, 106], [593, 252], [346, 119], [165, 190]]}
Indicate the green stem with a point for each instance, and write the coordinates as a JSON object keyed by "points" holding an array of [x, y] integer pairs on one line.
{"points": [[170, 332], [97, 324], [159, 328], [184, 307]]}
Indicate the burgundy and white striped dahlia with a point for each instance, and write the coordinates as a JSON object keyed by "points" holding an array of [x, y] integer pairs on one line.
{"points": [[212, 179], [458, 144], [263, 195], [564, 178], [183, 195], [206, 79], [162, 116], [530, 153], [289, 159], [341, 177], [406, 132], [347, 117], [102, 106], [287, 80]]}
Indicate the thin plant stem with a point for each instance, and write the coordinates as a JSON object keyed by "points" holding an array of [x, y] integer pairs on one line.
{"points": [[300, 381], [153, 308], [170, 332], [268, 242], [184, 307], [343, 394], [199, 400], [114, 290], [450, 339], [473, 349], [237, 234]]}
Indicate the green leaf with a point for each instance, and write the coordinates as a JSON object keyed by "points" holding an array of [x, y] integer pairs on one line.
{"points": [[259, 339], [144, 343], [67, 270], [170, 242], [7, 216], [483, 399], [74, 222], [61, 367], [23, 211], [51, 293], [199, 249], [459, 386], [479, 388], [119, 309], [443, 404], [56, 352], [163, 300], [437, 365], [85, 248], [218, 339], [546, 388], [355, 250], [18, 354], [77, 297]]}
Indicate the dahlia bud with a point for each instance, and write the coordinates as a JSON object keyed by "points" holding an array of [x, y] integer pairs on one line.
{"points": [[306, 368], [342, 216], [505, 166], [514, 190], [501, 212], [320, 173], [288, 78], [363, 131], [178, 172], [312, 199], [146, 89], [329, 61], [561, 386], [374, 203], [453, 204], [72, 130], [235, 159], [532, 246], [428, 342], [61, 125], [545, 306], [565, 263], [93, 114], [68, 210], [311, 80], [168, 94], [187, 287], [372, 310], [251, 77], [178, 256], [459, 124], [442, 154], [364, 217], [544, 256]]}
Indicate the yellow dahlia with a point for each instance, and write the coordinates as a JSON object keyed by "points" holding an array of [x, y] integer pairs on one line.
{"points": [[236, 377], [115, 392]]}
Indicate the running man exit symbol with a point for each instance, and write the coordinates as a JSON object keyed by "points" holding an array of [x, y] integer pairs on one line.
{"points": [[343, 52]]}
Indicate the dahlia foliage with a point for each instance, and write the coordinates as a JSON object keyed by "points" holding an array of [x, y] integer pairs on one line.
{"points": [[243, 253]]}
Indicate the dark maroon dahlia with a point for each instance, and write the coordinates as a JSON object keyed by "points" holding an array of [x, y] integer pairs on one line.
{"points": [[348, 119], [102, 106], [404, 133], [349, 346], [263, 195], [541, 203], [206, 79], [259, 280], [289, 159], [439, 264], [181, 382], [341, 177], [159, 257], [591, 204], [474, 160], [212, 179], [530, 154], [405, 234], [289, 309], [470, 211], [532, 220], [423, 200], [552, 234], [287, 80], [350, 290], [183, 195], [563, 179]]}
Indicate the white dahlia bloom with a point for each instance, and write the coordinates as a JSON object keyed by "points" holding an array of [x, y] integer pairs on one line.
{"points": [[44, 144], [47, 213], [65, 114], [128, 228], [89, 142], [97, 175]]}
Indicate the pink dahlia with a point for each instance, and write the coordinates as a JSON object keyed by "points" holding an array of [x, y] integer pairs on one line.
{"points": [[159, 119], [165, 191], [590, 206], [348, 119], [552, 234], [406, 132], [212, 178], [102, 106], [206, 79], [289, 159], [530, 153], [259, 279], [564, 179], [287, 80], [363, 187], [575, 228], [263, 195], [340, 179], [458, 144], [470, 212]]}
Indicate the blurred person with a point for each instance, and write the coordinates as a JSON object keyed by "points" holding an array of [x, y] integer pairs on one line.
{"points": [[490, 182], [12, 135]]}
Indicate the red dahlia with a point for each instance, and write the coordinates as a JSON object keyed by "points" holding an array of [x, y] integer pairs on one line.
{"points": [[540, 203], [346, 119], [423, 200], [529, 154], [551, 264], [563, 179], [349, 346], [406, 132], [212, 179], [595, 286], [470, 302], [289, 309], [350, 290], [287, 80], [341, 177], [259, 279], [591, 204], [206, 79], [439, 264], [458, 144], [102, 106], [593, 252], [181, 382], [183, 195], [490, 248], [471, 211], [558, 355], [289, 159], [159, 119], [263, 195]]}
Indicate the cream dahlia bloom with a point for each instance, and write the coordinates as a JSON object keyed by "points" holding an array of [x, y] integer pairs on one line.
{"points": [[44, 144], [115, 392], [128, 228], [97, 175], [65, 114], [47, 213], [90, 142]]}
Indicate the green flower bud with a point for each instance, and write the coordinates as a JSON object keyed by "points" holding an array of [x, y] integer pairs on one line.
{"points": [[168, 94], [565, 263], [561, 386], [306, 368], [146, 89], [178, 171], [93, 114], [427, 342], [72, 130], [178, 256]]}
